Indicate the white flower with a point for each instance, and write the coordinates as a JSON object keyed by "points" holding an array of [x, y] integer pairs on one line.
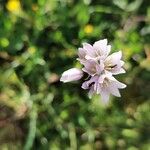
{"points": [[71, 75], [113, 63], [104, 85], [93, 68], [100, 66], [99, 50]]}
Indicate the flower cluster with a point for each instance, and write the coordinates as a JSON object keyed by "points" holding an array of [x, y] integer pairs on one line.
{"points": [[101, 68]]}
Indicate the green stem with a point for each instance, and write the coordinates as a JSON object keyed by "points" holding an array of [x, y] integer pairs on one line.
{"points": [[32, 130]]}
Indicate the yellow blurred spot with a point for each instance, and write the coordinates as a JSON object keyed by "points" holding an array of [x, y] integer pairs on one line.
{"points": [[34, 7], [13, 5], [64, 114], [13, 78], [4, 42], [120, 34], [88, 29], [31, 50], [70, 53], [127, 52]]}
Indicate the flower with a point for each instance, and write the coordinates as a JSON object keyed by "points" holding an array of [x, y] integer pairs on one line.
{"points": [[88, 29], [101, 67], [13, 5], [98, 51], [71, 75], [113, 63], [104, 85], [93, 68]]}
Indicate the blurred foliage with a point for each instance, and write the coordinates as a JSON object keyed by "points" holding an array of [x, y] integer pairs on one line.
{"points": [[38, 41]]}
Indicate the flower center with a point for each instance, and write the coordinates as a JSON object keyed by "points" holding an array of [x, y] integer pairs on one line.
{"points": [[110, 67], [105, 82]]}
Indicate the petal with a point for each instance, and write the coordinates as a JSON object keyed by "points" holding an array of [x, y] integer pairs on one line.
{"points": [[121, 85], [114, 58], [90, 57], [114, 64], [91, 92], [81, 53], [89, 49], [114, 90], [71, 75], [85, 85], [100, 67], [101, 47], [101, 78], [104, 96], [118, 84], [90, 67], [114, 86], [108, 50], [118, 71], [98, 88], [122, 63]]}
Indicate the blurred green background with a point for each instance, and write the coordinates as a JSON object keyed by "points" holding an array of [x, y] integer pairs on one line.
{"points": [[38, 41]]}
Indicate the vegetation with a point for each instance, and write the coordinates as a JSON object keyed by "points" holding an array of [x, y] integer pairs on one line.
{"points": [[38, 41]]}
